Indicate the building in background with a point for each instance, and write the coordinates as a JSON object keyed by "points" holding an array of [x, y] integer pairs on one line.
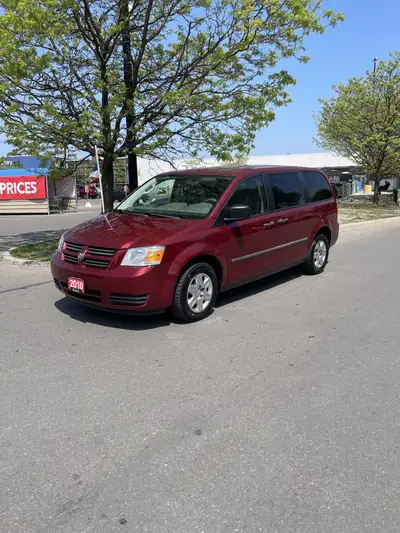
{"points": [[337, 167]]}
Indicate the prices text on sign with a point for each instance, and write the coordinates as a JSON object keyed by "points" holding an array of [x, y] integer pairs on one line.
{"points": [[22, 188]]}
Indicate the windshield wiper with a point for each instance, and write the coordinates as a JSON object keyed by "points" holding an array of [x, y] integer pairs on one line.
{"points": [[152, 214], [129, 212], [147, 214]]}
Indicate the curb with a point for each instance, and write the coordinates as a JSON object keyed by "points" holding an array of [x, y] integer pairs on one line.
{"points": [[6, 257], [365, 224]]}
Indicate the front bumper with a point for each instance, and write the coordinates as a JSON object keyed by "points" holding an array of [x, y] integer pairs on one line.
{"points": [[118, 289]]}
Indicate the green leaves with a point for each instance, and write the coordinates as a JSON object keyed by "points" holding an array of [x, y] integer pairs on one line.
{"points": [[204, 74], [362, 120]]}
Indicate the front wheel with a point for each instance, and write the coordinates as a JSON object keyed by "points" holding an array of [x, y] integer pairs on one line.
{"points": [[318, 257], [195, 293]]}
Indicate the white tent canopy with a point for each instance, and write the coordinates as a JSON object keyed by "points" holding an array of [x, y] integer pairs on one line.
{"points": [[149, 168]]}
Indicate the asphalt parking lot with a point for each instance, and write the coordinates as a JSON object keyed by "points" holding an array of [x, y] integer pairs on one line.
{"points": [[278, 414]]}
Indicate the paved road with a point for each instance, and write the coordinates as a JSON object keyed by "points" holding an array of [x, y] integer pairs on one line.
{"points": [[16, 230], [278, 414]]}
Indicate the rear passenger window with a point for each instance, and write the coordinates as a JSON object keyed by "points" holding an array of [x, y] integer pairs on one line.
{"points": [[249, 193], [316, 187], [286, 189]]}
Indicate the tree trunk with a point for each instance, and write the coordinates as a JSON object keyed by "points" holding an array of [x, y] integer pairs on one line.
{"points": [[129, 95], [107, 182], [375, 198], [132, 172]]}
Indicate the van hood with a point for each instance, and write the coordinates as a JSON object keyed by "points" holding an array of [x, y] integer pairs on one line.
{"points": [[117, 230]]}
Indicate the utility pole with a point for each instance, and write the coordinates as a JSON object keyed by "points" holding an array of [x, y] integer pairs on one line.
{"points": [[126, 7], [65, 148], [96, 155]]}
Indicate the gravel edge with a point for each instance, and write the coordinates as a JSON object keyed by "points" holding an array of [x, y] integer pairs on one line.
{"points": [[6, 257]]}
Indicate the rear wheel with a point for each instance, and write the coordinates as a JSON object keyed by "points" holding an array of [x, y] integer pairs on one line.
{"points": [[318, 257], [195, 293]]}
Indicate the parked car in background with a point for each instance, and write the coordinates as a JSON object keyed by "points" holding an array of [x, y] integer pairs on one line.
{"points": [[183, 237], [81, 193], [119, 194]]}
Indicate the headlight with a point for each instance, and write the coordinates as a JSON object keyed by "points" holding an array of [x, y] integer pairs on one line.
{"points": [[60, 244], [149, 256]]}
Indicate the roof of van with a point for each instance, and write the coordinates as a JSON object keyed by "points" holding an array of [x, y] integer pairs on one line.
{"points": [[242, 170]]}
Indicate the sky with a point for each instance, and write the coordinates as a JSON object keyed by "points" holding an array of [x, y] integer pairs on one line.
{"points": [[370, 30]]}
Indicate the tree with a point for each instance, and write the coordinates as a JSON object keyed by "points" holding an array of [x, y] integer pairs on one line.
{"points": [[164, 79], [362, 121]]}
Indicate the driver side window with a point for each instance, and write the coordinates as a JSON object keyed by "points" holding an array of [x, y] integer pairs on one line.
{"points": [[249, 192]]}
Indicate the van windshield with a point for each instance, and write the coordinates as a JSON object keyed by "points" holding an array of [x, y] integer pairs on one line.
{"points": [[177, 196]]}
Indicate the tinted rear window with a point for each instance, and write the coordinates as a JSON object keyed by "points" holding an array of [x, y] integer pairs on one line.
{"points": [[286, 189], [316, 186]]}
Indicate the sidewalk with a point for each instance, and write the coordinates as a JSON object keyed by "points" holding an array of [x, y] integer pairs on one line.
{"points": [[17, 230]]}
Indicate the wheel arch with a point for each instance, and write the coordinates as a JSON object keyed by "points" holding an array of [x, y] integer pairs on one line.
{"points": [[209, 258], [325, 230]]}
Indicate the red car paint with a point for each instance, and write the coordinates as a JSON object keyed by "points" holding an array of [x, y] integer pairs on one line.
{"points": [[232, 248]]}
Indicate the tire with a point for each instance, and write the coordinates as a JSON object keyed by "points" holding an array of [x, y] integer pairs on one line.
{"points": [[194, 301], [318, 258]]}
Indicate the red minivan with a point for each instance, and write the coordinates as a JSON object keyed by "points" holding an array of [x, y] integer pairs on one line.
{"points": [[183, 237]]}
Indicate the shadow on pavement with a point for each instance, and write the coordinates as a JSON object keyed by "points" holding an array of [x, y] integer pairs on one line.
{"points": [[12, 241], [262, 285], [90, 315]]}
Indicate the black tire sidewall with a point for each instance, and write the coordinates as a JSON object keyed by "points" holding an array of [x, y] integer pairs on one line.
{"points": [[311, 266], [181, 307]]}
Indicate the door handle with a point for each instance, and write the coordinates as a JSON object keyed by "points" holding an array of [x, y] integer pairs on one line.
{"points": [[269, 224], [282, 221]]}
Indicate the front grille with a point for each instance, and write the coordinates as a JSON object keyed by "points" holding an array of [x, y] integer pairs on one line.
{"points": [[73, 247], [57, 283], [94, 262], [70, 258], [98, 263], [131, 300], [89, 295], [105, 252]]}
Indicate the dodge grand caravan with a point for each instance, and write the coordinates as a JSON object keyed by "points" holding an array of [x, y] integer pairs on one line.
{"points": [[183, 237]]}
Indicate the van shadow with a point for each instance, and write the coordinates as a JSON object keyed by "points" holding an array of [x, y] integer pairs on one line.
{"points": [[88, 315], [262, 285]]}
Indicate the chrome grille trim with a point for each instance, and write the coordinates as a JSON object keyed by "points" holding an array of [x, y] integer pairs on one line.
{"points": [[70, 258], [73, 247], [105, 252], [98, 263]]}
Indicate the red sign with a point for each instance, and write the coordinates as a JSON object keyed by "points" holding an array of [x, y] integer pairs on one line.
{"points": [[22, 188]]}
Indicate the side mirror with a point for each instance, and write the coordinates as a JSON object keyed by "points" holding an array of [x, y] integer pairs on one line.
{"points": [[237, 212]]}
